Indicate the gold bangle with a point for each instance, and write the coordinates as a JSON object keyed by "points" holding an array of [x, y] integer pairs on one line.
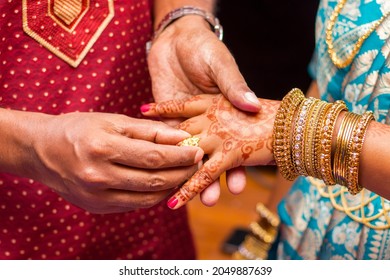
{"points": [[251, 249], [310, 138], [266, 214], [299, 137], [258, 242], [326, 142], [323, 111], [281, 133], [355, 148], [343, 139]]}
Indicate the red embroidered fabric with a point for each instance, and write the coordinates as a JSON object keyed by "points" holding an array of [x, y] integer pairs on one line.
{"points": [[67, 28], [35, 222]]}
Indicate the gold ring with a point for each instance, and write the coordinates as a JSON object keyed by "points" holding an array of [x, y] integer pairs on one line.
{"points": [[191, 141]]}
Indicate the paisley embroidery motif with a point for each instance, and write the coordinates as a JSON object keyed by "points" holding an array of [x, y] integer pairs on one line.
{"points": [[68, 28]]}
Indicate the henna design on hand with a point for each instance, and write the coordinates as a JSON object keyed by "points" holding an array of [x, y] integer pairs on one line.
{"points": [[242, 139], [239, 130], [230, 137]]}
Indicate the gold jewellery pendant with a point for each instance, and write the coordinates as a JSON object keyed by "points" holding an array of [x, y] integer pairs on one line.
{"points": [[329, 41]]}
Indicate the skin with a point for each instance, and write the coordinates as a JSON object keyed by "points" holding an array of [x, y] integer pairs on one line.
{"points": [[232, 138], [188, 59], [108, 163], [101, 162], [229, 137]]}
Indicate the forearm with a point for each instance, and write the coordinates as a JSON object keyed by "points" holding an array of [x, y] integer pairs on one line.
{"points": [[163, 7], [18, 131], [374, 171]]}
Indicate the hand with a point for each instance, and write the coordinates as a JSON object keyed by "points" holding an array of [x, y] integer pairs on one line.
{"points": [[188, 59], [108, 163], [229, 137]]}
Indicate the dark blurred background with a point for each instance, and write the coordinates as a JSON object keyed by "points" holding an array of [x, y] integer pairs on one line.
{"points": [[272, 42]]}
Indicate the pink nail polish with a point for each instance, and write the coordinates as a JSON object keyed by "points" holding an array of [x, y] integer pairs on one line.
{"points": [[145, 108], [172, 202]]}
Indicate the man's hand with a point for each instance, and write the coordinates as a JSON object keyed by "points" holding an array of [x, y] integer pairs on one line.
{"points": [[101, 162], [188, 59]]}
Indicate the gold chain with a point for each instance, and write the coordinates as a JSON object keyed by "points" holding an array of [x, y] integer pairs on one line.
{"points": [[329, 30]]}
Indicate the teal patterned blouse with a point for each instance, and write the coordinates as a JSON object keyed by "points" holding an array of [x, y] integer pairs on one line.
{"points": [[326, 222]]}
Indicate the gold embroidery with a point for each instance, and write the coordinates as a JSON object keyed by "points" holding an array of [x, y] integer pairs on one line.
{"points": [[85, 5], [66, 45], [67, 10]]}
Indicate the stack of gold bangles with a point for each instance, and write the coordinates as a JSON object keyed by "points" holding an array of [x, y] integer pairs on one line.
{"points": [[302, 144]]}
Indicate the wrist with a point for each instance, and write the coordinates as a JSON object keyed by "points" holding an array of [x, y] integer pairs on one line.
{"points": [[162, 8], [185, 11]]}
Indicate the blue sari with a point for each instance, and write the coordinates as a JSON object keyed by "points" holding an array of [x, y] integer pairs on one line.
{"points": [[326, 222]]}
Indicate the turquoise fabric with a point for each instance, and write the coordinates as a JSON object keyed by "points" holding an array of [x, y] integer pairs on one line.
{"points": [[315, 224]]}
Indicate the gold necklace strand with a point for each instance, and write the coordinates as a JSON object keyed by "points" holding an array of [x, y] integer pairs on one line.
{"points": [[379, 219], [329, 41]]}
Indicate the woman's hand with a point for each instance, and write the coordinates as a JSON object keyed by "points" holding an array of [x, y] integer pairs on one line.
{"points": [[230, 138], [101, 162]]}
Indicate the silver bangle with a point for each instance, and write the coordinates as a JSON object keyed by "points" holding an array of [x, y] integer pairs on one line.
{"points": [[184, 11]]}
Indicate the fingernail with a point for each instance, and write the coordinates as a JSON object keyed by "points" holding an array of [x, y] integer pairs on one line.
{"points": [[199, 155], [145, 108], [251, 97], [172, 202], [200, 163]]}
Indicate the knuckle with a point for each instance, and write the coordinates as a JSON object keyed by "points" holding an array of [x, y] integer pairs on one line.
{"points": [[154, 158], [157, 182], [96, 147], [91, 175]]}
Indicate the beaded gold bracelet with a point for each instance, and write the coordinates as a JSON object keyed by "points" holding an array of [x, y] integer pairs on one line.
{"points": [[314, 165], [355, 148], [282, 131], [310, 138], [299, 135], [319, 139]]}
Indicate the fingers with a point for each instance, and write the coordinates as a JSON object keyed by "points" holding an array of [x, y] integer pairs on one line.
{"points": [[210, 195], [154, 131], [147, 155], [150, 181], [236, 179], [116, 201], [118, 188], [209, 172], [140, 180], [179, 108], [192, 126]]}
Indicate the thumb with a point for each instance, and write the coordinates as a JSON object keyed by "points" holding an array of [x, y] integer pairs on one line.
{"points": [[233, 85]]}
